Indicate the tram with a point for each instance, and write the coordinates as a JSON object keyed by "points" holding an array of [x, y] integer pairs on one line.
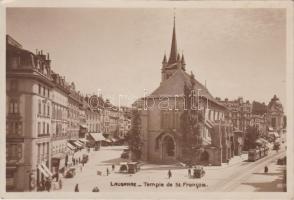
{"points": [[256, 154]]}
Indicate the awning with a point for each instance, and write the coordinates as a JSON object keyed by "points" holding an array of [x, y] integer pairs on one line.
{"points": [[97, 136], [113, 139], [270, 129], [275, 134], [83, 126], [71, 147], [209, 123], [78, 144], [108, 140], [58, 156], [83, 140], [46, 169], [43, 171], [81, 143]]}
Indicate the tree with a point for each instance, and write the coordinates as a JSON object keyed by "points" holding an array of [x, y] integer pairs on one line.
{"points": [[189, 124], [252, 134], [134, 136]]}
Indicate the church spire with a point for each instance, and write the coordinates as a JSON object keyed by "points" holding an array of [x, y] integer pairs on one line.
{"points": [[173, 52]]}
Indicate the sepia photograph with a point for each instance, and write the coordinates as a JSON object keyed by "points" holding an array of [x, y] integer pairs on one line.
{"points": [[147, 99]]}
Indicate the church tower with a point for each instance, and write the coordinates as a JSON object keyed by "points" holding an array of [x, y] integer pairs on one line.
{"points": [[175, 61]]}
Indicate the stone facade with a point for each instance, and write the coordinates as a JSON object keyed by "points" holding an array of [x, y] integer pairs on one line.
{"points": [[162, 132], [46, 119]]}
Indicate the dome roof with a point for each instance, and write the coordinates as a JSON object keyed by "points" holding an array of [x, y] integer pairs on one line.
{"points": [[275, 103]]}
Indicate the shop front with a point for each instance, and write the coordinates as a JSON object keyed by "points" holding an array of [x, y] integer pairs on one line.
{"points": [[58, 164], [11, 172], [43, 175]]}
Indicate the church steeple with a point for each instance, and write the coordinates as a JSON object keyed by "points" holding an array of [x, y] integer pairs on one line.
{"points": [[173, 51]]}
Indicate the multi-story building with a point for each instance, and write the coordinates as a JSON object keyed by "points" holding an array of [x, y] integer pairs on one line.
{"points": [[239, 112], [259, 121], [163, 137], [275, 116], [60, 123], [28, 111]]}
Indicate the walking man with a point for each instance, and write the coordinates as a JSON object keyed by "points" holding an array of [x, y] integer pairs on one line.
{"points": [[265, 169], [189, 172], [169, 174], [113, 166], [107, 171], [77, 188]]}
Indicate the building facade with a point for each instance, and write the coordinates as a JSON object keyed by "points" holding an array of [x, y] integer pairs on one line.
{"points": [[28, 117], [162, 132]]}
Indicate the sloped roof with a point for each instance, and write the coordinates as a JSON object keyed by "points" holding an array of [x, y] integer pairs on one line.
{"points": [[174, 86]]}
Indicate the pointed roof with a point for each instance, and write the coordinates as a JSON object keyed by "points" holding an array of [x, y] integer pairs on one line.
{"points": [[174, 86], [183, 59], [173, 51], [164, 59]]}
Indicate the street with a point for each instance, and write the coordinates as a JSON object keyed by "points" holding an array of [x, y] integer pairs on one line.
{"points": [[238, 175]]}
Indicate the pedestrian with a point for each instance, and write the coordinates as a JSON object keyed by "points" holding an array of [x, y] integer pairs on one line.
{"points": [[79, 160], [74, 161], [169, 174], [77, 188], [96, 189], [189, 172], [47, 185], [265, 169], [113, 166], [107, 171], [60, 184]]}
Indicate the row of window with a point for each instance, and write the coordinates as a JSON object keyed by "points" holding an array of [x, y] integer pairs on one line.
{"points": [[59, 149], [59, 112], [44, 91], [46, 107], [215, 115], [43, 128], [43, 151], [14, 127], [94, 127], [13, 152], [13, 106]]}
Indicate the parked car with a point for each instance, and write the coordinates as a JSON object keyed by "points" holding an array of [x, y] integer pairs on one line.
{"points": [[125, 154], [85, 158], [276, 146], [70, 173], [133, 167], [282, 161], [198, 172], [123, 167]]}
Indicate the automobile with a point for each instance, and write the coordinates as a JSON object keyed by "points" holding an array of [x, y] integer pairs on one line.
{"points": [[276, 146], [282, 161], [85, 158], [125, 154], [198, 172], [123, 167], [133, 167], [70, 173]]}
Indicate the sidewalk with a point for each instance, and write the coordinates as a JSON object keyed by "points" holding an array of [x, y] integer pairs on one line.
{"points": [[233, 161]]}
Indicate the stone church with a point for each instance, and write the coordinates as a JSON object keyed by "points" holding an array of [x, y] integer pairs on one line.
{"points": [[162, 125]]}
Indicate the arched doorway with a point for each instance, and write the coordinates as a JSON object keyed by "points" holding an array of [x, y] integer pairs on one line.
{"points": [[204, 158], [168, 148]]}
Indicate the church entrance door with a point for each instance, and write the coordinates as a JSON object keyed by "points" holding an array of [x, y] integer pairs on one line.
{"points": [[168, 149]]}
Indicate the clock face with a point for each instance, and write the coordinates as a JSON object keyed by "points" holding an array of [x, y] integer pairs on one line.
{"points": [[94, 102]]}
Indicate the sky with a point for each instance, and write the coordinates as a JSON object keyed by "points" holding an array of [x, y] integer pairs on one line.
{"points": [[118, 51]]}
